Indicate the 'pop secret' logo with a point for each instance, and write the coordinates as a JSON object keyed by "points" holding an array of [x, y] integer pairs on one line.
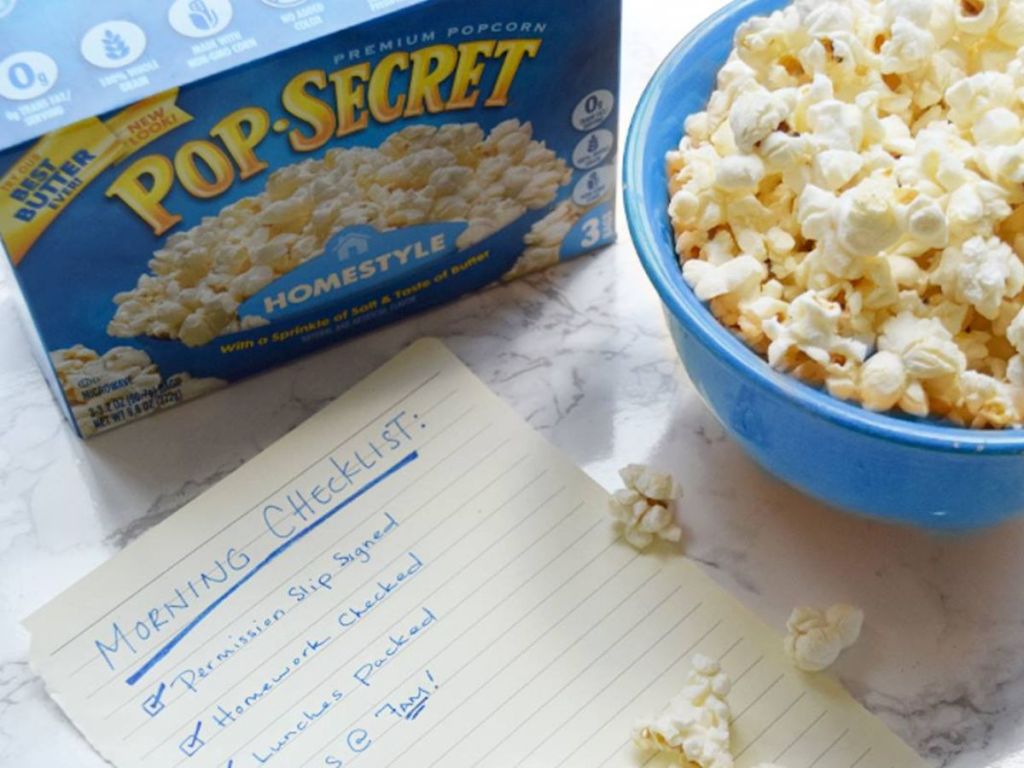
{"points": [[320, 106], [354, 265]]}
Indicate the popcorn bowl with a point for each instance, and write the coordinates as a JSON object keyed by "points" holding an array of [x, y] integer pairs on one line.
{"points": [[908, 471]]}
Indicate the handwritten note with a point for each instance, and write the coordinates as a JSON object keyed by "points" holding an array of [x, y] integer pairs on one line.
{"points": [[415, 578]]}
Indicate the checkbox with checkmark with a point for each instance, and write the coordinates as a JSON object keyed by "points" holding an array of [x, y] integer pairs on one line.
{"points": [[154, 705], [193, 743]]}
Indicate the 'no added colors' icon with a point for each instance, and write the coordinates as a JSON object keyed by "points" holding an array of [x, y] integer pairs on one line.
{"points": [[284, 4], [199, 18]]}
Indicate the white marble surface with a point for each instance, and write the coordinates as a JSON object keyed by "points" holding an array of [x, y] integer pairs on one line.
{"points": [[582, 353]]}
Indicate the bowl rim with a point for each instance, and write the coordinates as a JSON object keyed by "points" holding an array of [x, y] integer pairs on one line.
{"points": [[662, 267]]}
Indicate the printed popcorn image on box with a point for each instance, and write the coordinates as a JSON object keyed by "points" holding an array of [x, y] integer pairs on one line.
{"points": [[235, 196], [454, 173]]}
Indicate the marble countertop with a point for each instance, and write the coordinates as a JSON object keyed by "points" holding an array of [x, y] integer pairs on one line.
{"points": [[583, 354]]}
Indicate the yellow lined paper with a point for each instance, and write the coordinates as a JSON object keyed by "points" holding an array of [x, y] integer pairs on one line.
{"points": [[415, 578]]}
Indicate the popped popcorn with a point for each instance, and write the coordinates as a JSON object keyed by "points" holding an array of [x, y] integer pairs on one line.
{"points": [[420, 174], [696, 725], [544, 240], [546, 237], [851, 202], [105, 390], [817, 638], [645, 506]]}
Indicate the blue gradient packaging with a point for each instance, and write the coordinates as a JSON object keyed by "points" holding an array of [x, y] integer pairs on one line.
{"points": [[195, 190]]}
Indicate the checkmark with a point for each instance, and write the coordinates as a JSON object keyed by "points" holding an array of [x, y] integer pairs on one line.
{"points": [[193, 743], [154, 705]]}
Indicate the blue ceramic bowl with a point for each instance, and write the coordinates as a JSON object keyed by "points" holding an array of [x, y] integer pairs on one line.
{"points": [[907, 471]]}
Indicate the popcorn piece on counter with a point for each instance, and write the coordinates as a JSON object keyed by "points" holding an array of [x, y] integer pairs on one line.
{"points": [[421, 174], [105, 390], [816, 638], [645, 506], [851, 202], [696, 726]]}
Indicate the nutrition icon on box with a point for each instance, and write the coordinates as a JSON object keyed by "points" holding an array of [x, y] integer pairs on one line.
{"points": [[200, 18], [27, 75], [113, 44]]}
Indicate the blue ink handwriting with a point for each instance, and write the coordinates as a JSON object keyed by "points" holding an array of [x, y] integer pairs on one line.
{"points": [[411, 707], [397, 641], [155, 704], [357, 741], [352, 615], [341, 560], [309, 717], [133, 634], [190, 677], [363, 553], [298, 508], [227, 716], [193, 743], [170, 645], [302, 592]]}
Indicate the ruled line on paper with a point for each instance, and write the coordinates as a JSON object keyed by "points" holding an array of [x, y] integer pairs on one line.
{"points": [[619, 676], [350, 659], [773, 723], [454, 639], [757, 700], [522, 653], [829, 748], [377, 575], [647, 650], [796, 739], [522, 619], [171, 644], [621, 710], [748, 670], [494, 609], [362, 522], [860, 759], [283, 485], [529, 681], [94, 659], [520, 489], [582, 636]]}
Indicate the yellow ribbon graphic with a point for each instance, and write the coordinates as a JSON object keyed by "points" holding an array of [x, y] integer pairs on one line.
{"points": [[44, 181]]}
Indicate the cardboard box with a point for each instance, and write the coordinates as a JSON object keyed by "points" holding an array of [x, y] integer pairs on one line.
{"points": [[194, 190]]}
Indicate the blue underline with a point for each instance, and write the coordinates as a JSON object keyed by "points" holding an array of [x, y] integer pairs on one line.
{"points": [[162, 653]]}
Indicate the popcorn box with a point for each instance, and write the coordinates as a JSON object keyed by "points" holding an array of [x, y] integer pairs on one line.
{"points": [[196, 190]]}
